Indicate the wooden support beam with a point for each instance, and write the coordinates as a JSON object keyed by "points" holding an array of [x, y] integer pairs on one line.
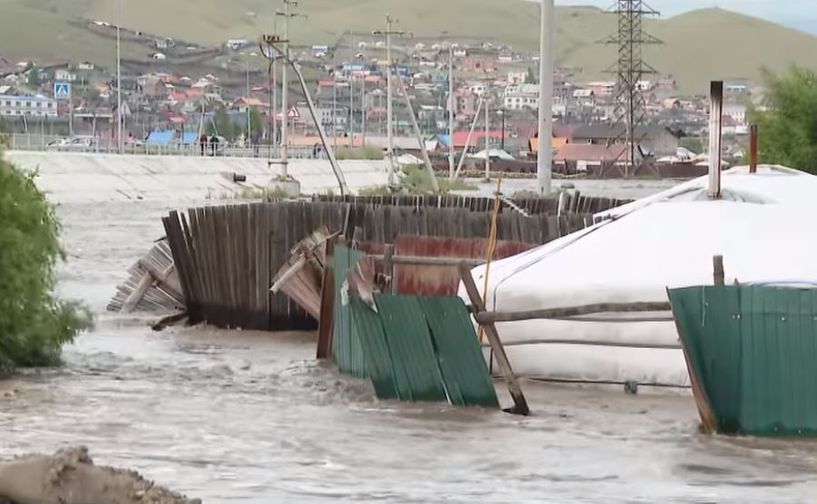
{"points": [[576, 311], [521, 405]]}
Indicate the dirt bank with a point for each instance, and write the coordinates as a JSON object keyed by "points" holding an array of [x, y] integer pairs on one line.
{"points": [[70, 477]]}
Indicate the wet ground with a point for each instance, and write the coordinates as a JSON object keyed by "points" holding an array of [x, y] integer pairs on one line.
{"points": [[248, 417]]}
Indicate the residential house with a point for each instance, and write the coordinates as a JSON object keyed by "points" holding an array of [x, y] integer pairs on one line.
{"points": [[466, 103], [658, 140], [516, 78], [28, 105], [64, 74], [244, 103], [736, 112], [521, 97], [585, 97], [602, 88], [485, 63]]}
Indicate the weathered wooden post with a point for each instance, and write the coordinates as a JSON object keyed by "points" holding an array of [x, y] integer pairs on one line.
{"points": [[719, 273], [521, 405], [753, 148]]}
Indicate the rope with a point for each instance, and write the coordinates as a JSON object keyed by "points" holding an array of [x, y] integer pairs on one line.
{"points": [[491, 248]]}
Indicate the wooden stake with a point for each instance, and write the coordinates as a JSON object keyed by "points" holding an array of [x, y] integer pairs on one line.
{"points": [[521, 405]]}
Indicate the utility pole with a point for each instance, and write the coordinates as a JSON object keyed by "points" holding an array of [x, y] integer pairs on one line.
{"points": [[351, 128], [274, 90], [119, 78], [544, 165], [389, 109], [487, 138], [363, 112], [335, 111], [451, 111], [249, 123], [285, 87]]}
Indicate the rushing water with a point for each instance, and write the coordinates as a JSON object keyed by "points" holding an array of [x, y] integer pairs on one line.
{"points": [[248, 417]]}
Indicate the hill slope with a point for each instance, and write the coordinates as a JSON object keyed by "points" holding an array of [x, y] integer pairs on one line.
{"points": [[699, 45]]}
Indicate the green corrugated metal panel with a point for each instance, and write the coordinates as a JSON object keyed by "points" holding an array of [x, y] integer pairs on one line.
{"points": [[369, 328], [346, 348], [466, 376], [753, 349], [414, 362]]}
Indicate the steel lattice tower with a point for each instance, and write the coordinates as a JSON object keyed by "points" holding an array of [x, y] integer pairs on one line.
{"points": [[630, 69]]}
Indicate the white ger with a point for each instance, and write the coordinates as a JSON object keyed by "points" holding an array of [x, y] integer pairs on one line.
{"points": [[762, 226]]}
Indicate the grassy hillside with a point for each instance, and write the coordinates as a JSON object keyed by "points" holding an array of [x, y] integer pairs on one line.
{"points": [[699, 45], [40, 30]]}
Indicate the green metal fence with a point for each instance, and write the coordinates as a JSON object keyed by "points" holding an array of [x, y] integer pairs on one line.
{"points": [[752, 351], [412, 348]]}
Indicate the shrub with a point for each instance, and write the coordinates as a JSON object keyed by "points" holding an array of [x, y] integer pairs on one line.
{"points": [[33, 323]]}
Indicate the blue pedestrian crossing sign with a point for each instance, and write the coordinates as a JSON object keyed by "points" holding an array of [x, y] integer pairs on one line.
{"points": [[62, 90]]}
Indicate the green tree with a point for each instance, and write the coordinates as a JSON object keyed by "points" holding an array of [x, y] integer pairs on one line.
{"points": [[256, 123], [222, 125], [532, 78], [33, 323], [694, 144], [34, 78], [787, 122]]}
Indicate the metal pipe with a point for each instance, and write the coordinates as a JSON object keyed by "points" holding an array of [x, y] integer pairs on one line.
{"points": [[715, 120], [753, 148], [544, 165]]}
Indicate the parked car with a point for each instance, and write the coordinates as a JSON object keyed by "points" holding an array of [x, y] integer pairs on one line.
{"points": [[79, 143]]}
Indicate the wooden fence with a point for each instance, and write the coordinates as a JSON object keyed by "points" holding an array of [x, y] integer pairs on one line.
{"points": [[573, 202], [227, 256]]}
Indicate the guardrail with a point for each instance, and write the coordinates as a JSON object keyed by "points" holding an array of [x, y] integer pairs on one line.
{"points": [[49, 143]]}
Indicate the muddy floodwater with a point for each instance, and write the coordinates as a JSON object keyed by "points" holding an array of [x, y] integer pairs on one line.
{"points": [[235, 417]]}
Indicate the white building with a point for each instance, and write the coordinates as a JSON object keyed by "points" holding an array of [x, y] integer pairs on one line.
{"points": [[736, 112], [21, 105], [522, 96], [516, 78]]}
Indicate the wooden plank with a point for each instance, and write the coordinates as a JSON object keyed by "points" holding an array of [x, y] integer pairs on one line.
{"points": [[575, 311], [138, 293], [521, 404]]}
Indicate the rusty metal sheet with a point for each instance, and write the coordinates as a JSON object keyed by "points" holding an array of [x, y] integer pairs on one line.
{"points": [[442, 280], [301, 276]]}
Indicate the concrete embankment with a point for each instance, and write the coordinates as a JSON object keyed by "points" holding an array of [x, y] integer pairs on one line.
{"points": [[80, 177]]}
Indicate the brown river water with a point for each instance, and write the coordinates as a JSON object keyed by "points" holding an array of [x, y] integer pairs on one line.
{"points": [[246, 417]]}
